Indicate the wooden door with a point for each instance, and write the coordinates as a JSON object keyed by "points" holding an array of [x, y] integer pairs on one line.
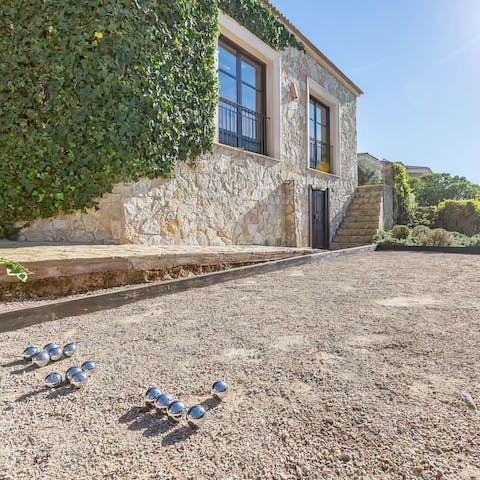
{"points": [[319, 219]]}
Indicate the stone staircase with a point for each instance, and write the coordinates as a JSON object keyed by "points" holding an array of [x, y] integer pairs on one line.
{"points": [[363, 220]]}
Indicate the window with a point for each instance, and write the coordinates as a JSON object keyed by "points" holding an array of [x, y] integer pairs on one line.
{"points": [[241, 108], [319, 128]]}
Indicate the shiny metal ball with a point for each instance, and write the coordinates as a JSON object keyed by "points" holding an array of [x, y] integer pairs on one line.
{"points": [[89, 367], [49, 346], [29, 352], [196, 416], [151, 395], [162, 402], [79, 379], [69, 349], [55, 353], [176, 410], [71, 372], [53, 380], [41, 359], [220, 389]]}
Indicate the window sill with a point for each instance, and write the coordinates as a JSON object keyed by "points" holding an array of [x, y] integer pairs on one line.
{"points": [[246, 152], [328, 175]]}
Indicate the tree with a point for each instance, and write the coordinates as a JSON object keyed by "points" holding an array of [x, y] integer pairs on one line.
{"points": [[433, 188]]}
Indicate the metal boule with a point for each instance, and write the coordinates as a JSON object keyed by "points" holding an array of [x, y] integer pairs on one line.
{"points": [[176, 410], [69, 349], [49, 346], [53, 380], [79, 379], [29, 352], [151, 395], [55, 353], [89, 367], [41, 359], [162, 402], [220, 389], [71, 372], [196, 416]]}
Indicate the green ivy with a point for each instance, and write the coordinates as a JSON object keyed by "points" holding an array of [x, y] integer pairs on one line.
{"points": [[261, 21], [402, 191], [98, 93]]}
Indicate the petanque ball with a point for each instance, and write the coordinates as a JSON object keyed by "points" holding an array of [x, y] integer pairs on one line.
{"points": [[89, 367], [53, 380], [151, 395], [79, 379], [196, 416], [69, 349], [55, 353], [176, 410], [41, 359], [162, 402], [220, 389], [71, 372], [29, 352], [49, 346]]}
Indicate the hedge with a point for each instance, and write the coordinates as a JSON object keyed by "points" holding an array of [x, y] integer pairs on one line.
{"points": [[459, 216]]}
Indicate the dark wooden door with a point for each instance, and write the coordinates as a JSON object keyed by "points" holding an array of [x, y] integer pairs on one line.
{"points": [[320, 220]]}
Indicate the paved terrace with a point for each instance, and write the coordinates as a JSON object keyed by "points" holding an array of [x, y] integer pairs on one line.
{"points": [[61, 269]]}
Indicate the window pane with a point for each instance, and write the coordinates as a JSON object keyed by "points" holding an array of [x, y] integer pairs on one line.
{"points": [[227, 61], [249, 74], [312, 111], [325, 135], [228, 87], [326, 153], [311, 130], [319, 132], [312, 154], [249, 97]]}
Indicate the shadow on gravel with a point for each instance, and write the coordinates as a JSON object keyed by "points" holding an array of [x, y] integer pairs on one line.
{"points": [[61, 392], [26, 396], [21, 371], [20, 361], [144, 418]]}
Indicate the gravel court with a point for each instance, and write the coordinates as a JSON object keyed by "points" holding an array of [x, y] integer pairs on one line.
{"points": [[349, 368]]}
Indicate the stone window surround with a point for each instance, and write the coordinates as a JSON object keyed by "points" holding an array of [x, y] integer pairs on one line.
{"points": [[318, 92], [246, 40]]}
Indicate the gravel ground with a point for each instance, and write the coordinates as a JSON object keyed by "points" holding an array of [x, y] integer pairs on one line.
{"points": [[347, 369]]}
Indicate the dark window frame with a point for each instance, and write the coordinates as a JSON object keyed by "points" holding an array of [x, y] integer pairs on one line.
{"points": [[238, 115], [326, 145]]}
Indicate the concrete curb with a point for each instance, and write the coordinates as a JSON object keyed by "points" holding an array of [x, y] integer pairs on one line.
{"points": [[25, 317]]}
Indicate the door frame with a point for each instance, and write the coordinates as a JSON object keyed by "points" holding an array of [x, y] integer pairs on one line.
{"points": [[326, 212]]}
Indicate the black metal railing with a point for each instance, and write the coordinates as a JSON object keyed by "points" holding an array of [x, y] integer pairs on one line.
{"points": [[241, 127]]}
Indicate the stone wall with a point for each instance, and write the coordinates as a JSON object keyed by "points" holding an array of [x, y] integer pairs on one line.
{"points": [[231, 196]]}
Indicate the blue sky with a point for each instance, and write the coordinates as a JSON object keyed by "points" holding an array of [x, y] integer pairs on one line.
{"points": [[418, 62]]}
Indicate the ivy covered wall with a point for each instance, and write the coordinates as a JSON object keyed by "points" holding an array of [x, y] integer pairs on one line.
{"points": [[98, 93]]}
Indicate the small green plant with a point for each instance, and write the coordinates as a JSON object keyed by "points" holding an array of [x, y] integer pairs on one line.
{"points": [[400, 232], [15, 269], [419, 231], [459, 216]]}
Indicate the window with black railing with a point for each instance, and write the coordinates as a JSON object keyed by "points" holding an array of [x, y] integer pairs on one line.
{"points": [[241, 107], [321, 150]]}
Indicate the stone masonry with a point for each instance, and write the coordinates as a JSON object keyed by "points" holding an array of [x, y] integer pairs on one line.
{"points": [[231, 196]]}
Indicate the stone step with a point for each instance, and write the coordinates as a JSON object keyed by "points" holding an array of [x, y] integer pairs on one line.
{"points": [[340, 245], [350, 222], [370, 188], [365, 239], [356, 231], [362, 212]]}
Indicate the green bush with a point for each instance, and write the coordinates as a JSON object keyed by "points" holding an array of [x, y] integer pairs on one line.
{"points": [[460, 240], [438, 237], [402, 193], [419, 231], [423, 216], [459, 216], [400, 232]]}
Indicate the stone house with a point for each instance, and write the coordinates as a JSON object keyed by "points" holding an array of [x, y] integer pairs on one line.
{"points": [[283, 168]]}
